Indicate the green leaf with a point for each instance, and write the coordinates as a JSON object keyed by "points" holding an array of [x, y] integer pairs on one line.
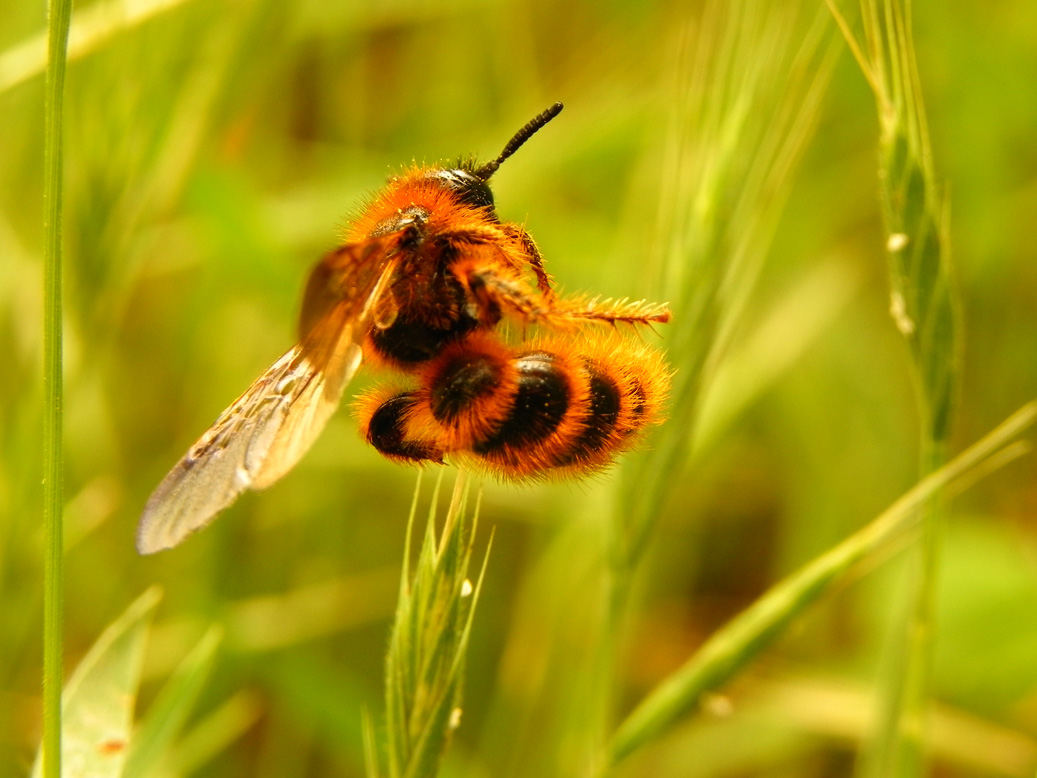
{"points": [[97, 704]]}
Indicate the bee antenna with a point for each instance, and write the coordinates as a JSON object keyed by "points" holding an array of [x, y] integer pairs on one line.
{"points": [[516, 142]]}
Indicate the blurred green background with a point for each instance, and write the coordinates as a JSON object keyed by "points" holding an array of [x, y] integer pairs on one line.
{"points": [[213, 150]]}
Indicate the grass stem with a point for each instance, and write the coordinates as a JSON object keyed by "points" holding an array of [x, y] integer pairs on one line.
{"points": [[729, 649], [59, 14], [924, 309]]}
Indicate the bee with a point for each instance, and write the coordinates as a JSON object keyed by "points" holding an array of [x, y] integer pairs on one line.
{"points": [[424, 285]]}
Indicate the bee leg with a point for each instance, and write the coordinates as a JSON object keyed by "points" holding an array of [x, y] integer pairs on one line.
{"points": [[494, 292], [579, 310], [384, 424], [536, 260]]}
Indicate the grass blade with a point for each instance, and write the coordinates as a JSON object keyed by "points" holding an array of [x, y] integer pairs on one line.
{"points": [[94, 27], [732, 647], [216, 731], [745, 108], [58, 16], [370, 747], [749, 82], [167, 714]]}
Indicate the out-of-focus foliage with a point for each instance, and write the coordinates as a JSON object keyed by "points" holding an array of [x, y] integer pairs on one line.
{"points": [[213, 149]]}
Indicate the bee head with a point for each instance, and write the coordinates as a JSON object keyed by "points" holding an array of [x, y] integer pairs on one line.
{"points": [[465, 184], [470, 182]]}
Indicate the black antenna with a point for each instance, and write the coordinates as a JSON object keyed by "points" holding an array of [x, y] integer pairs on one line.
{"points": [[516, 142]]}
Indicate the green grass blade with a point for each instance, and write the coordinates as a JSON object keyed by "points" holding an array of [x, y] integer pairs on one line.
{"points": [[98, 700], [370, 746], [746, 104], [92, 29], [732, 647], [787, 331], [168, 713], [58, 15], [217, 730], [747, 91]]}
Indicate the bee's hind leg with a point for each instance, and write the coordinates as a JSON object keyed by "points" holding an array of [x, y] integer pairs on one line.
{"points": [[495, 293]]}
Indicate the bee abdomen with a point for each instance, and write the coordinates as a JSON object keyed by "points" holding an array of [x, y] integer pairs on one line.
{"points": [[605, 403], [387, 429], [466, 381], [572, 414], [539, 405], [522, 414]]}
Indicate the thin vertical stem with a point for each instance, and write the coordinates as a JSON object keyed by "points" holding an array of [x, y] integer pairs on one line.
{"points": [[59, 14], [923, 306]]}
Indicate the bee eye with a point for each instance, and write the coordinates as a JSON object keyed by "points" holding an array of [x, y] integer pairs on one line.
{"points": [[476, 193], [470, 189]]}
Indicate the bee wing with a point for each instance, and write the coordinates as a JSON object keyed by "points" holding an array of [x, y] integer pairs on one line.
{"points": [[341, 292], [255, 441], [265, 432]]}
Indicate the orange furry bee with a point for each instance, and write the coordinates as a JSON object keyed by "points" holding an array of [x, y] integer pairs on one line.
{"points": [[423, 285]]}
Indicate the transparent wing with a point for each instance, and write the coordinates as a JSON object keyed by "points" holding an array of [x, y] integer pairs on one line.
{"points": [[252, 444], [265, 432]]}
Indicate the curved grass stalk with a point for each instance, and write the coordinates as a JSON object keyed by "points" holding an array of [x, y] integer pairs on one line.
{"points": [[738, 643]]}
